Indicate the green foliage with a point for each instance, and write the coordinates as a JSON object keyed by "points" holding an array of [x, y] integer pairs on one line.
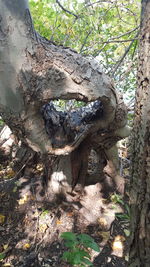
{"points": [[68, 104], [96, 24], [106, 30], [78, 245]]}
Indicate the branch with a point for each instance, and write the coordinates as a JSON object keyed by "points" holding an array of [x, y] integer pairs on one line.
{"points": [[113, 40], [81, 49], [67, 11], [133, 14], [97, 2], [126, 33], [124, 55], [126, 22], [118, 41]]}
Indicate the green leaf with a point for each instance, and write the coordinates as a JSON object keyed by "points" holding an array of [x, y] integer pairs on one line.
{"points": [[94, 246], [88, 242], [76, 257], [87, 262], [83, 253], [66, 255], [2, 256], [123, 216], [69, 236], [70, 243], [85, 237], [72, 257], [44, 213]]}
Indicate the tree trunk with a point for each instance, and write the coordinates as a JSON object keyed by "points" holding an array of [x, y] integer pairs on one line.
{"points": [[40, 71], [140, 175]]}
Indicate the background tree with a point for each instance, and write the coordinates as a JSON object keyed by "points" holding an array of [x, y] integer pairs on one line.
{"points": [[140, 170]]}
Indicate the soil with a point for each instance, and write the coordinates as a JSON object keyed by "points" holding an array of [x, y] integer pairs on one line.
{"points": [[31, 223]]}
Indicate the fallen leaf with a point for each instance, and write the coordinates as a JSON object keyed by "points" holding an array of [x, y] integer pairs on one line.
{"points": [[102, 222], [2, 218], [58, 222], [26, 246], [70, 214], [32, 197], [5, 246], [15, 189], [23, 200], [105, 235], [39, 167], [36, 214], [127, 257], [117, 246], [10, 172], [127, 232], [43, 227]]}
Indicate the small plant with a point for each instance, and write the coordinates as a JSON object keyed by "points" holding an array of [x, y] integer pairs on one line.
{"points": [[44, 213], [78, 249], [2, 256], [124, 216], [116, 198], [1, 122]]}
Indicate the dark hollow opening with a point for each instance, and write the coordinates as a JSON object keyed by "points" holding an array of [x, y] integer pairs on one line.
{"points": [[65, 120]]}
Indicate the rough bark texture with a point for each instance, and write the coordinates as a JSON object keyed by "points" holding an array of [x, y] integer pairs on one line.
{"points": [[40, 71], [140, 175]]}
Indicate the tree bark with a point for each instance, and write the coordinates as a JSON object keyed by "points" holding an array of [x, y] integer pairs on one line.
{"points": [[40, 71], [140, 173]]}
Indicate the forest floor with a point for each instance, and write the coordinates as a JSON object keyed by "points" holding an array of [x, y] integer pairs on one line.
{"points": [[31, 225]]}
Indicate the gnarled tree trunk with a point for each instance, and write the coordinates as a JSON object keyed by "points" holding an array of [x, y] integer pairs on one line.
{"points": [[34, 71]]}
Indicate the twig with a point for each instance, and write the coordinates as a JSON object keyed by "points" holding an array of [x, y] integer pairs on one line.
{"points": [[97, 2], [118, 41], [67, 11], [113, 40], [134, 14], [126, 33], [126, 22], [3, 141], [124, 55], [81, 49]]}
